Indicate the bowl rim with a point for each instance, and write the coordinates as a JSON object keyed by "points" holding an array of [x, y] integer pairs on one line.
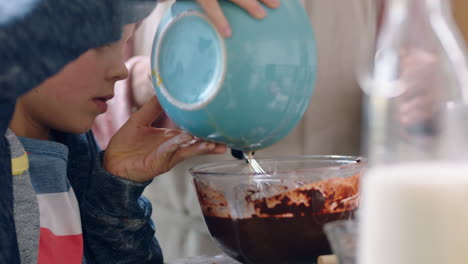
{"points": [[352, 161]]}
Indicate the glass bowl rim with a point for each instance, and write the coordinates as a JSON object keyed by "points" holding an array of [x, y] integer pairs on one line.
{"points": [[352, 161]]}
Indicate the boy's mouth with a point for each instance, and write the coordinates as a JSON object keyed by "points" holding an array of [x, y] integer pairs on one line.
{"points": [[101, 103]]}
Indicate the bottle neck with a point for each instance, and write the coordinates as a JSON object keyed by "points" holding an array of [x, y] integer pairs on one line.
{"points": [[418, 8], [419, 52], [428, 17], [419, 3]]}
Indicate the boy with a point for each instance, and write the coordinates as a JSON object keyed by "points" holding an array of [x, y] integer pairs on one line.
{"points": [[36, 43], [76, 186]]}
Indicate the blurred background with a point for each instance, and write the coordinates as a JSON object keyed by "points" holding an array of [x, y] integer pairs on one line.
{"points": [[331, 125]]}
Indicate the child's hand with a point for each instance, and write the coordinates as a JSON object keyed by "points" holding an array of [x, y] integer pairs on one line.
{"points": [[215, 13], [139, 152]]}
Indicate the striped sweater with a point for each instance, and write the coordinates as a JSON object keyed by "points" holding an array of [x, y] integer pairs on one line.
{"points": [[49, 225]]}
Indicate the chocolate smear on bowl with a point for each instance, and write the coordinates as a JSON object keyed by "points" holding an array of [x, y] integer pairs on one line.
{"points": [[284, 228]]}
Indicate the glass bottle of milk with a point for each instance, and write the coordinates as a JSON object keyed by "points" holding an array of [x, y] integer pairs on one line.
{"points": [[414, 206]]}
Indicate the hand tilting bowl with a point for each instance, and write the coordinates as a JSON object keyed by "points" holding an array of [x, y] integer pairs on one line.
{"points": [[282, 223], [247, 91]]}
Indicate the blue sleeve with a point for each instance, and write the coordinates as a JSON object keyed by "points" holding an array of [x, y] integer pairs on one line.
{"points": [[117, 224], [116, 218]]}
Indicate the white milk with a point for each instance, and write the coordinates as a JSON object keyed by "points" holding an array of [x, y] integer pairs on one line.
{"points": [[416, 213]]}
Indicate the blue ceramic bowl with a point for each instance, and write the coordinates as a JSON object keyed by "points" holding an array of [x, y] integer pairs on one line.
{"points": [[248, 91]]}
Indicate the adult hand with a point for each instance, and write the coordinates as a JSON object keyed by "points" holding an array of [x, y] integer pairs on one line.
{"points": [[141, 85], [140, 152], [420, 101], [142, 90], [253, 7]]}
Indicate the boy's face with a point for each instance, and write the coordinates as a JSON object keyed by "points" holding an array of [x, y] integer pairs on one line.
{"points": [[73, 98]]}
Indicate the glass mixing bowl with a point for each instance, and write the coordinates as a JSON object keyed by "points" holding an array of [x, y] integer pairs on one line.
{"points": [[277, 216]]}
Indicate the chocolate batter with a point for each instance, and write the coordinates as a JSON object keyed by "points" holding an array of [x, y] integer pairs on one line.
{"points": [[298, 239], [285, 228]]}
